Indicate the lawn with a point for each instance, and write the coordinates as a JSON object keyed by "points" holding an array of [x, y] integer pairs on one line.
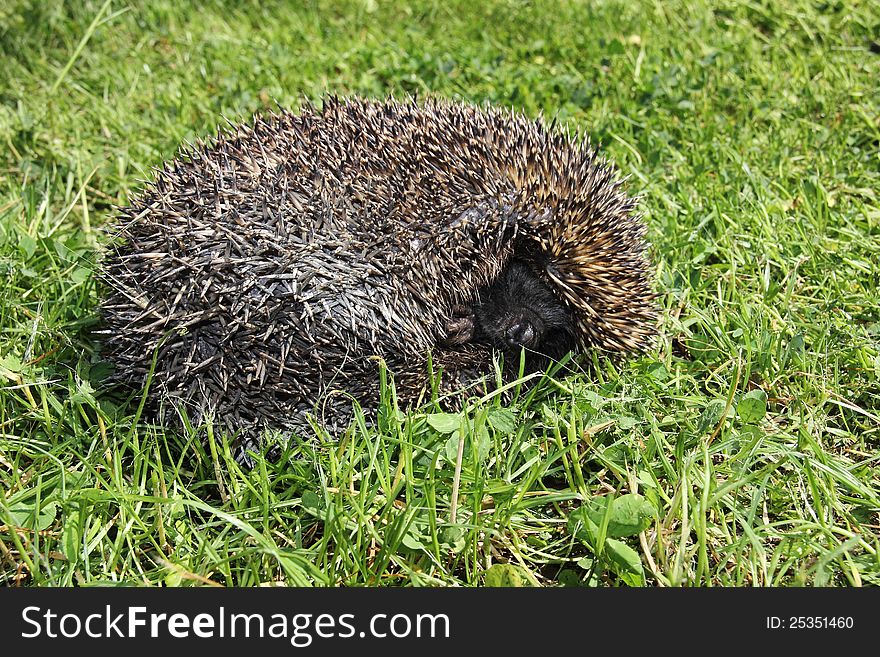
{"points": [[741, 451]]}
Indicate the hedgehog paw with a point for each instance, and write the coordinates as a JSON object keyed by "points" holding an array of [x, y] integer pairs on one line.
{"points": [[461, 327]]}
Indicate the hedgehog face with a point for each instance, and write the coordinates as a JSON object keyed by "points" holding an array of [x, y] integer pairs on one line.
{"points": [[520, 311]]}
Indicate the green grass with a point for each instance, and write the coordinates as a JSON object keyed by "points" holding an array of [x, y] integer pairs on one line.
{"points": [[750, 131]]}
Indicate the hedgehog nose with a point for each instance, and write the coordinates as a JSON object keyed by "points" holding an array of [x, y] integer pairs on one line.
{"points": [[520, 334]]}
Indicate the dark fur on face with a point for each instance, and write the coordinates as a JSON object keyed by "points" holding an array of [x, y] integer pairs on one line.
{"points": [[517, 311]]}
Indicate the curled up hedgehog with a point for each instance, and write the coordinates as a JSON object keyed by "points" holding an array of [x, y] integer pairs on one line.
{"points": [[259, 273]]}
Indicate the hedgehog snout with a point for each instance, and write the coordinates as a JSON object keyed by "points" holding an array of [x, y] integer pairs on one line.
{"points": [[522, 332]]}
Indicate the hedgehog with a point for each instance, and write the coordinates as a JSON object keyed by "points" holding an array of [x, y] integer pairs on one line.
{"points": [[262, 275]]}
